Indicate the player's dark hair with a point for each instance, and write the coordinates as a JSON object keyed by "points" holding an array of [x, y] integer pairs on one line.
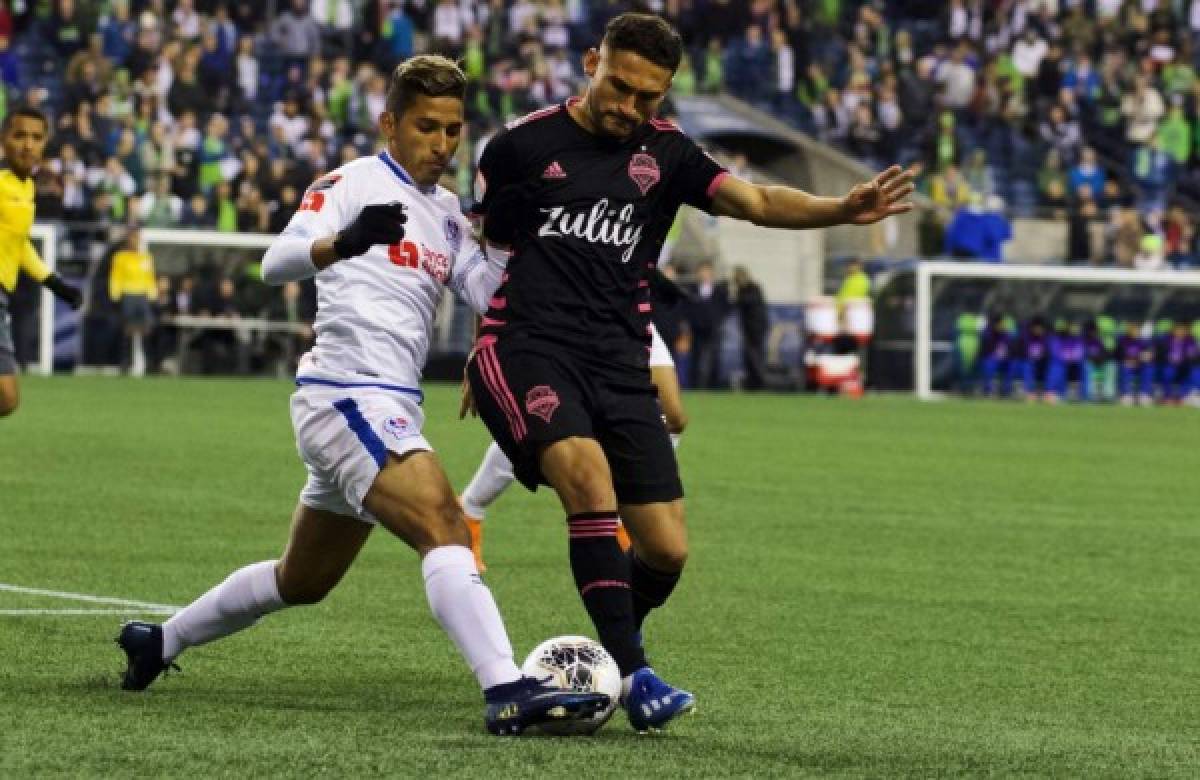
{"points": [[647, 36], [29, 112], [431, 75]]}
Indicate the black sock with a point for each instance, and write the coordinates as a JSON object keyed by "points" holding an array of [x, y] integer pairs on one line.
{"points": [[651, 587], [602, 576]]}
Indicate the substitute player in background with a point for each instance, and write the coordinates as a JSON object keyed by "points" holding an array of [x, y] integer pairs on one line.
{"points": [[23, 134], [495, 473], [584, 194], [357, 410]]}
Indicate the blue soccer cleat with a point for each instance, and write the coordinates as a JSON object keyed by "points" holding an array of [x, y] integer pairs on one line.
{"points": [[651, 703], [514, 707], [143, 646]]}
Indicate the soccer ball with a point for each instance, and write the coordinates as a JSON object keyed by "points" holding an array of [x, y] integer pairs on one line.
{"points": [[576, 663]]}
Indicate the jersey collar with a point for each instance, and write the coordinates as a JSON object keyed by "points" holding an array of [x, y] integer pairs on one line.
{"points": [[402, 174]]}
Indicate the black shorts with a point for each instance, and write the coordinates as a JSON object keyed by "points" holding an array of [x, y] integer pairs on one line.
{"points": [[530, 394]]}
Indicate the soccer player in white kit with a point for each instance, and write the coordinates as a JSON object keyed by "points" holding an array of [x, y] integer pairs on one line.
{"points": [[495, 472], [383, 241]]}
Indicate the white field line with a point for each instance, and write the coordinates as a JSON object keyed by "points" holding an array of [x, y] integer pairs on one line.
{"points": [[144, 606], [126, 611]]}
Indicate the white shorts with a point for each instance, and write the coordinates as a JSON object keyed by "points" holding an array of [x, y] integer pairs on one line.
{"points": [[659, 354], [343, 436]]}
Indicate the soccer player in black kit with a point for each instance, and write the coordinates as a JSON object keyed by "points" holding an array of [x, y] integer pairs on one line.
{"points": [[583, 194]]}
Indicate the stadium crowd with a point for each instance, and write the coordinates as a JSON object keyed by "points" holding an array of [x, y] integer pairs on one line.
{"points": [[1079, 109], [217, 114]]}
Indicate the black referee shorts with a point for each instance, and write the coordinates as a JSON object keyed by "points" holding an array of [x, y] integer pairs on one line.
{"points": [[530, 394]]}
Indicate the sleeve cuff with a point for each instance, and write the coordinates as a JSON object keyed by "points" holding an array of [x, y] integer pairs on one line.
{"points": [[715, 184]]}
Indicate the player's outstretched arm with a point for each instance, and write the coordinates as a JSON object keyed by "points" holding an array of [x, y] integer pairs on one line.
{"points": [[291, 258], [785, 207]]}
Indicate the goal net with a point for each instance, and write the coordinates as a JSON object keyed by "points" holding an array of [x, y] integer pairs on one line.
{"points": [[942, 292]]}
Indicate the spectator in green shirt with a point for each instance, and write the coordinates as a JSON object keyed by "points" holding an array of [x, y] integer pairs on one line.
{"points": [[1175, 135]]}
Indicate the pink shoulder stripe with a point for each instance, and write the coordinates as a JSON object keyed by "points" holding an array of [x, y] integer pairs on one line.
{"points": [[665, 126], [541, 113]]}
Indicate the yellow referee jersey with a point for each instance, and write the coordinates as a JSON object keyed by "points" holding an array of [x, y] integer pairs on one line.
{"points": [[132, 274], [16, 218]]}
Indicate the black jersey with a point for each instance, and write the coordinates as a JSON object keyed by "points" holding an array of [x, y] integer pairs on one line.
{"points": [[586, 217]]}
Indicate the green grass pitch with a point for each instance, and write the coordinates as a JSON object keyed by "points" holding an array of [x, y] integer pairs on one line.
{"points": [[876, 588]]}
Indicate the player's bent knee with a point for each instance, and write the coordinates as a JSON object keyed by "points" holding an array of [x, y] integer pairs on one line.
{"points": [[441, 525], [670, 558], [448, 526]]}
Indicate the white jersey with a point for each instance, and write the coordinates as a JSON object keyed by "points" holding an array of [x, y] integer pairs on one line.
{"points": [[375, 312]]}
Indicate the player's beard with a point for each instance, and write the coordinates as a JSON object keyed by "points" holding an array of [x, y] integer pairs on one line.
{"points": [[624, 126]]}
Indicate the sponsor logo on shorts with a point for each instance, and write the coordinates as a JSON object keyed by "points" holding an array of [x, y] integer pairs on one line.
{"points": [[542, 401], [397, 426]]}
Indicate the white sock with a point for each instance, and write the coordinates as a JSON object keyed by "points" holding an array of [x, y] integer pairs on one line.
{"points": [[467, 612], [237, 603], [675, 438], [492, 478], [138, 364]]}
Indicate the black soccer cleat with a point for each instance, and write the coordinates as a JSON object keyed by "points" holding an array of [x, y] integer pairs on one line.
{"points": [[514, 707], [143, 646]]}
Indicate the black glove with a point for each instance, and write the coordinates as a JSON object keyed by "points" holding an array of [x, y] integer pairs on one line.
{"points": [[381, 223], [66, 292]]}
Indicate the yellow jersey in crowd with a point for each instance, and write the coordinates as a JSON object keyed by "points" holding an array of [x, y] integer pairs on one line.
{"points": [[132, 274], [16, 218]]}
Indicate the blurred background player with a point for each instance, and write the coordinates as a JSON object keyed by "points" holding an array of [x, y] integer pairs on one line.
{"points": [[356, 410], [23, 134], [1036, 360], [1098, 351], [996, 357], [1069, 366], [1176, 357], [747, 299], [132, 284], [1135, 366], [495, 473]]}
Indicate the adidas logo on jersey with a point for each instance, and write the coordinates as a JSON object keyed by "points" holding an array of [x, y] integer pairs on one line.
{"points": [[554, 171]]}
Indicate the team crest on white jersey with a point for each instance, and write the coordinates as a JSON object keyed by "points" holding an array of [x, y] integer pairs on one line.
{"points": [[453, 234]]}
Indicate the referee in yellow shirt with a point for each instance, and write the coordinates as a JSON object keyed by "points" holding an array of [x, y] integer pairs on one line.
{"points": [[132, 284], [23, 136]]}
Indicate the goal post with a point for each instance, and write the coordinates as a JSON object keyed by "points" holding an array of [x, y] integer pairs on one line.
{"points": [[928, 272], [45, 236]]}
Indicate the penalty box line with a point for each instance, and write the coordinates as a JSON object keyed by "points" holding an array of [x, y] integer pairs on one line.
{"points": [[130, 606]]}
